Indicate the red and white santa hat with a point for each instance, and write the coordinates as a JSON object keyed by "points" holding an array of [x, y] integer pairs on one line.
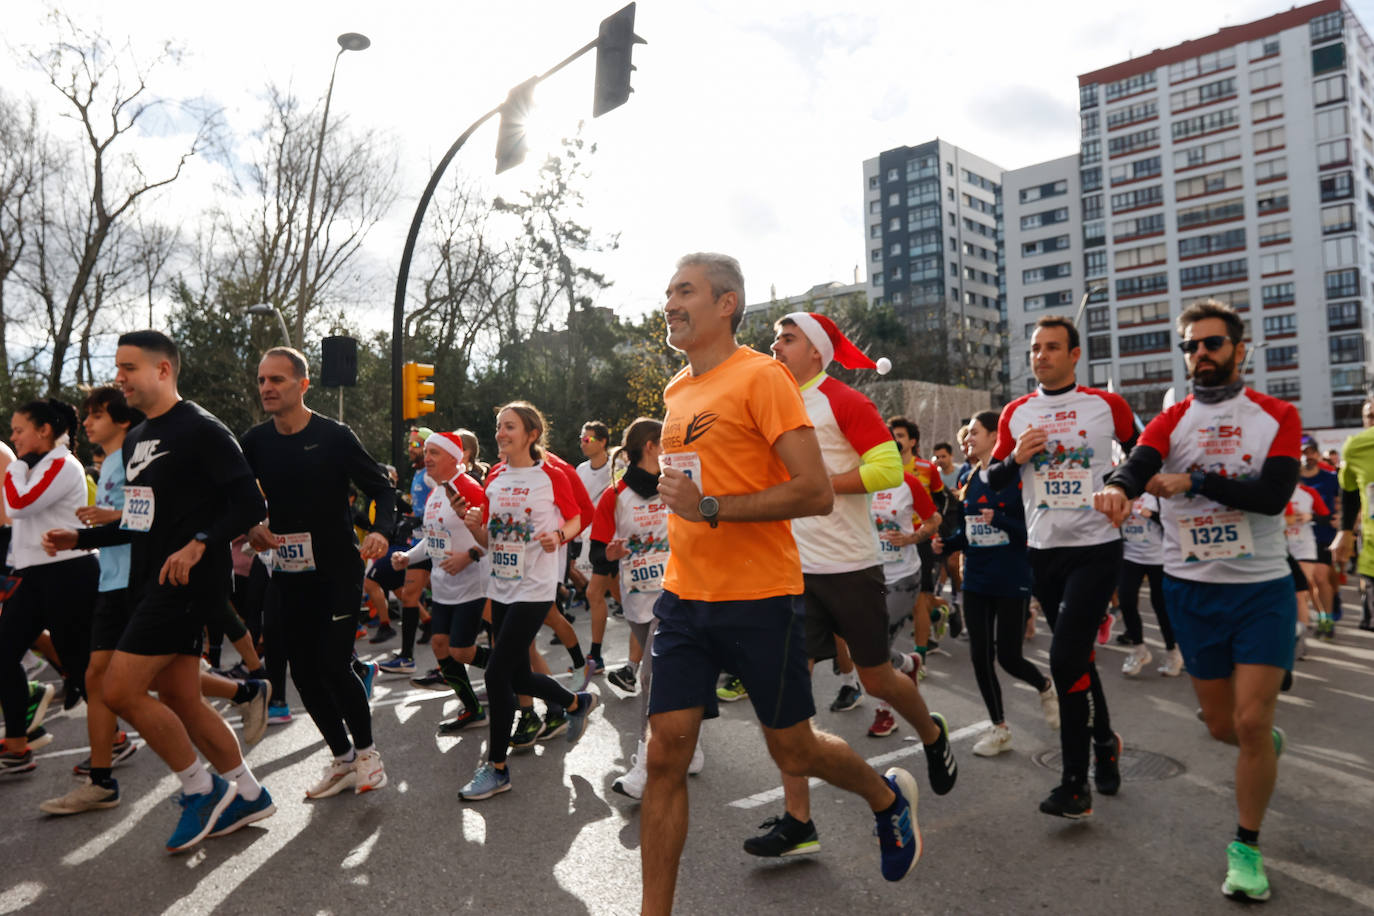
{"points": [[449, 442], [833, 345]]}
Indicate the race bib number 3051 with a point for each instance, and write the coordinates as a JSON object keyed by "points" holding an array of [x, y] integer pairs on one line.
{"points": [[139, 507], [1064, 488], [294, 553], [1215, 536]]}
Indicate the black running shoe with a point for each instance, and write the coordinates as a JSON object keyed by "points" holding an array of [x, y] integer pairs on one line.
{"points": [[12, 763], [940, 759], [384, 632], [1069, 801], [526, 731], [623, 677], [846, 699], [426, 631], [462, 720], [432, 679], [786, 836], [1106, 771]]}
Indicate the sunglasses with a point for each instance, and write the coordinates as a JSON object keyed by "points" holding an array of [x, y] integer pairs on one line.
{"points": [[1212, 343], [590, 439]]}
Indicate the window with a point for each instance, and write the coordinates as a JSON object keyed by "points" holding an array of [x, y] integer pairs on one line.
{"points": [[1266, 140], [1264, 109], [1095, 263], [1203, 124], [875, 206], [1047, 300], [1205, 94], [1275, 201], [1264, 47], [1209, 274], [1274, 295], [896, 273], [1280, 230], [1092, 206], [1087, 96], [893, 175], [977, 203], [1280, 262], [978, 181], [926, 268], [1039, 192], [1331, 57], [1132, 114], [922, 167], [1266, 77], [1333, 122], [1134, 171], [1326, 27], [872, 182], [1142, 285], [922, 192], [1342, 316], [1134, 199], [1338, 219], [925, 242], [875, 231], [1099, 318], [1342, 284], [1100, 346], [1348, 380], [1150, 370], [1329, 89], [1145, 255], [1090, 153], [1045, 218], [1212, 243], [1041, 246], [1337, 187], [1271, 170], [1238, 299], [1130, 85], [1281, 358], [923, 217], [1216, 212], [894, 224], [1129, 143], [1048, 272], [1148, 342], [1214, 151], [1138, 227], [1090, 179], [1094, 233], [1203, 65], [896, 250], [1287, 388], [1091, 123], [1346, 348], [1147, 313], [1210, 183], [1333, 152]]}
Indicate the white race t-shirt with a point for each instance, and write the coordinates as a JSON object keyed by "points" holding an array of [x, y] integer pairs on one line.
{"points": [[1144, 537], [523, 503], [621, 513]]}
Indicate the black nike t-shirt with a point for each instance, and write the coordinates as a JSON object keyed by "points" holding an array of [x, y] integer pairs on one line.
{"points": [[185, 475], [305, 477]]}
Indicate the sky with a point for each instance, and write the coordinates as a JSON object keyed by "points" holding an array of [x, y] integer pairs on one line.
{"points": [[746, 133]]}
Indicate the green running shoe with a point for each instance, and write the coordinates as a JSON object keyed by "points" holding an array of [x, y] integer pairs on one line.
{"points": [[1245, 879], [732, 691], [526, 731]]}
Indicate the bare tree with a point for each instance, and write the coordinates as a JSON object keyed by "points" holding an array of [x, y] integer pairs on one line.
{"points": [[23, 161]]}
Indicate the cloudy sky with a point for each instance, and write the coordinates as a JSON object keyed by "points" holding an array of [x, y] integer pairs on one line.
{"points": [[749, 123]]}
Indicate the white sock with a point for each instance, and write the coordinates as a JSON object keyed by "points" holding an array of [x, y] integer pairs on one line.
{"points": [[851, 679], [195, 779], [634, 667], [351, 756], [902, 662], [249, 787], [364, 750]]}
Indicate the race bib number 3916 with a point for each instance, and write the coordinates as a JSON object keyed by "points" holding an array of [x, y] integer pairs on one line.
{"points": [[1215, 536]]}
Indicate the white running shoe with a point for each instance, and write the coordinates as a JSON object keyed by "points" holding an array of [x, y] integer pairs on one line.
{"points": [[1173, 663], [1135, 662], [338, 775], [1049, 705], [698, 760], [370, 774], [631, 785], [995, 741]]}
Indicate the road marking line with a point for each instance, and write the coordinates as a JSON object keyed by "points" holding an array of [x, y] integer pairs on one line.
{"points": [[1342, 887], [771, 795]]}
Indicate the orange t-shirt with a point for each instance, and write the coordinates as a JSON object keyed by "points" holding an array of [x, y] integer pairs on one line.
{"points": [[720, 428]]}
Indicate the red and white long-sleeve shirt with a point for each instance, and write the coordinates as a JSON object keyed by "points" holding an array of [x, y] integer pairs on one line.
{"points": [[40, 498], [523, 503]]}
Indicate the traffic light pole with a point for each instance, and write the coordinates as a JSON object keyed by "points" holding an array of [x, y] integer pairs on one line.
{"points": [[398, 313]]}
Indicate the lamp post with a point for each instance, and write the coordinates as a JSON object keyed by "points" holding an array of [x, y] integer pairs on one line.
{"points": [[265, 308], [348, 41], [1083, 303]]}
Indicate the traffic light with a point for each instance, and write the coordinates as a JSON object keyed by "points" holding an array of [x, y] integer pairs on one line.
{"points": [[510, 139], [417, 382], [613, 48]]}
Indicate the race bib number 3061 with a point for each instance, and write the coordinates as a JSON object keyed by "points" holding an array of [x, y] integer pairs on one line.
{"points": [[1215, 536], [646, 572]]}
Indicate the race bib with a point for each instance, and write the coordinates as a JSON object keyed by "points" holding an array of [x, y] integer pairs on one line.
{"points": [[1134, 531], [1223, 535], [1064, 488], [982, 534], [688, 463], [507, 560], [437, 543], [294, 553], [646, 572], [889, 551], [138, 509]]}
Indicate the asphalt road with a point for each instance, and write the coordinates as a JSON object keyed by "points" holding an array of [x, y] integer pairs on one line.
{"points": [[563, 842]]}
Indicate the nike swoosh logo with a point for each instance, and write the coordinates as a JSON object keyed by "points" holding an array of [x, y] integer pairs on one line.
{"points": [[342, 617], [309, 447], [137, 467]]}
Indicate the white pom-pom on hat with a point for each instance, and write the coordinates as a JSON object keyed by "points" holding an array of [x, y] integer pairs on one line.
{"points": [[884, 365]]}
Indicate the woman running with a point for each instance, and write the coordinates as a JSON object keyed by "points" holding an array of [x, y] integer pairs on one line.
{"points": [[531, 512], [997, 582], [43, 489], [1143, 558]]}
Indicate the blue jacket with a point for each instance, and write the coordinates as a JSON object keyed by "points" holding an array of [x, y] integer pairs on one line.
{"points": [[992, 569]]}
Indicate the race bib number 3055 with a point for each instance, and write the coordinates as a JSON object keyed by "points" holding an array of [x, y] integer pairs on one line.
{"points": [[139, 507], [981, 534], [1215, 536], [1064, 488]]}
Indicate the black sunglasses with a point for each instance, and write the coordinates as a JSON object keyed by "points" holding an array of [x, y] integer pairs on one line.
{"points": [[1212, 342]]}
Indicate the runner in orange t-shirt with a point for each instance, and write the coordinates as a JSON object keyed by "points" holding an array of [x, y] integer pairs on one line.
{"points": [[739, 459]]}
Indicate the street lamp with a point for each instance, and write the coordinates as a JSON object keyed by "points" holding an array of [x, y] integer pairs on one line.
{"points": [[1083, 303], [348, 41], [263, 308]]}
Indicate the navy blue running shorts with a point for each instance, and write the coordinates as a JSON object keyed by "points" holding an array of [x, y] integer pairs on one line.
{"points": [[1219, 625]]}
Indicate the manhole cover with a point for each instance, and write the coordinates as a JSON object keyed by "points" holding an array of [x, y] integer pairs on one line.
{"points": [[1135, 764]]}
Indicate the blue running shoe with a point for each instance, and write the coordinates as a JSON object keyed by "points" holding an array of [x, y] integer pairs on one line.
{"points": [[485, 783], [278, 713], [242, 812], [369, 678], [199, 813], [899, 836], [577, 719]]}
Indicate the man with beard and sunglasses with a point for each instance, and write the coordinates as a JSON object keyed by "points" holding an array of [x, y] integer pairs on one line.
{"points": [[1224, 462]]}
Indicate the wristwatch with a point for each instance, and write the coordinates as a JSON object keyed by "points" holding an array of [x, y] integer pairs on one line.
{"points": [[1197, 478], [202, 537], [709, 507], [474, 554]]}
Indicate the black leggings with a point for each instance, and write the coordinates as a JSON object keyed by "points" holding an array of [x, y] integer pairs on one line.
{"points": [[57, 597], [1128, 596], [318, 614], [508, 670], [996, 627], [1074, 586]]}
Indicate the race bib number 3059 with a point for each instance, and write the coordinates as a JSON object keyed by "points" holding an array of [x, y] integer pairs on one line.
{"points": [[507, 560], [1064, 488], [1215, 536], [139, 507]]}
